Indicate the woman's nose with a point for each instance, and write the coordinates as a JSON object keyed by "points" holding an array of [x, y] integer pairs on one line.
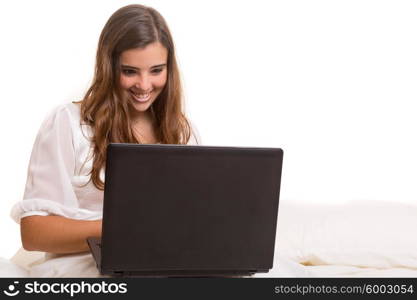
{"points": [[143, 83]]}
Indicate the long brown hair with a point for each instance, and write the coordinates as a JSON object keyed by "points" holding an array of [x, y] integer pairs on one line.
{"points": [[105, 107]]}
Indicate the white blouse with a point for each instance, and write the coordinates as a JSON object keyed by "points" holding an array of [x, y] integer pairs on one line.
{"points": [[59, 167]]}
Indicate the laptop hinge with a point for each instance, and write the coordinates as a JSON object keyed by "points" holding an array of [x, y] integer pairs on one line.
{"points": [[118, 273]]}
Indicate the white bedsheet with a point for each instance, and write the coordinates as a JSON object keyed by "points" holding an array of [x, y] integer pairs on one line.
{"points": [[10, 269], [27, 264], [83, 265], [351, 271], [358, 239]]}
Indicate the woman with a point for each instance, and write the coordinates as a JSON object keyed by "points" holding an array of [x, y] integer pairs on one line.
{"points": [[135, 97]]}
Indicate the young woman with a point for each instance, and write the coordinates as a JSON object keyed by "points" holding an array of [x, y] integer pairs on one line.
{"points": [[135, 97]]}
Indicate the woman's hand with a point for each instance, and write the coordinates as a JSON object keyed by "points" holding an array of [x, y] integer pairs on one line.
{"points": [[57, 234]]}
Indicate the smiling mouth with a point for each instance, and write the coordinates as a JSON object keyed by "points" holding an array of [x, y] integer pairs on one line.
{"points": [[141, 97]]}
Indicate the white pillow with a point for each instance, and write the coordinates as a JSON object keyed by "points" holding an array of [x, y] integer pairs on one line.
{"points": [[363, 234]]}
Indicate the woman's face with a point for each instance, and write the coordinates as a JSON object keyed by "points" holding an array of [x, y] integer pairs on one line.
{"points": [[144, 74]]}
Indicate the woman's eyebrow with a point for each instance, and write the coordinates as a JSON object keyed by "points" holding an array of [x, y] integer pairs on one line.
{"points": [[135, 68]]}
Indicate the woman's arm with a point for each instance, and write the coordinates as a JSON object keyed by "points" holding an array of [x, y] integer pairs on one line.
{"points": [[57, 234]]}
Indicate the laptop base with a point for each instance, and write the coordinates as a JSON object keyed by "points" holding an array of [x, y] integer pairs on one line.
{"points": [[180, 274], [95, 247]]}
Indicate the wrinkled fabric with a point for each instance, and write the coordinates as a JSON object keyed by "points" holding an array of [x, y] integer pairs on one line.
{"points": [[57, 180]]}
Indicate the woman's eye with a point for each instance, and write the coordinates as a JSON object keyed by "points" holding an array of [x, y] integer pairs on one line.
{"points": [[156, 71], [128, 72]]}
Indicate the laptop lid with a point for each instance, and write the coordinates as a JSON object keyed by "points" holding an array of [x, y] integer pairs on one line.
{"points": [[189, 208]]}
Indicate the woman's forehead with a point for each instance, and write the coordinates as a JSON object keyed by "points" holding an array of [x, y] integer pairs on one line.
{"points": [[145, 57]]}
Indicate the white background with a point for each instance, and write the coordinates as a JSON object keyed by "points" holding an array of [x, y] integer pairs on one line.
{"points": [[333, 83]]}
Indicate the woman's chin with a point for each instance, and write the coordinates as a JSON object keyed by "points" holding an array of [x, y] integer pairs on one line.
{"points": [[142, 106]]}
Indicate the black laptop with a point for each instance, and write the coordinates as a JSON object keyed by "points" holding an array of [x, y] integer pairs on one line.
{"points": [[176, 210]]}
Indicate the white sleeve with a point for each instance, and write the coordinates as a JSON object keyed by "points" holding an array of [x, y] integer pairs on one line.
{"points": [[49, 189], [195, 138]]}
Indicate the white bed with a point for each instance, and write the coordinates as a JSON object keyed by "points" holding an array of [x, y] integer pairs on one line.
{"points": [[359, 239]]}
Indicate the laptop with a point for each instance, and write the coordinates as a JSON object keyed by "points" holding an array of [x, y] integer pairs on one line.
{"points": [[177, 210]]}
